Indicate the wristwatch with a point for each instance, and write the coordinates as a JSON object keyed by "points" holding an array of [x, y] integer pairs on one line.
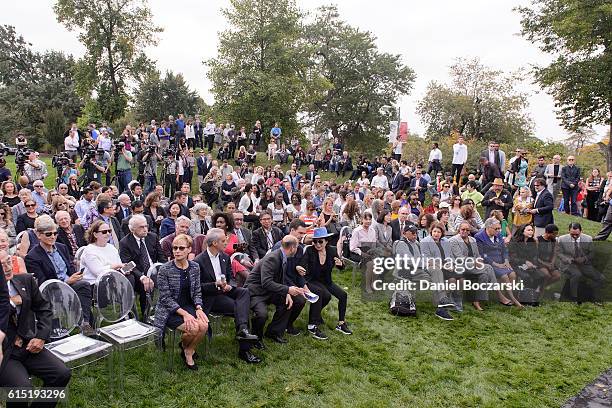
{"points": [[198, 307]]}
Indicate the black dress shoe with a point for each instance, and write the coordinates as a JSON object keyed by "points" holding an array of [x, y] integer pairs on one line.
{"points": [[193, 367], [195, 353], [277, 338], [249, 357], [259, 345], [244, 335]]}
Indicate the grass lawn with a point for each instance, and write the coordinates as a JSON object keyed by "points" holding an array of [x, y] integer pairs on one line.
{"points": [[502, 357]]}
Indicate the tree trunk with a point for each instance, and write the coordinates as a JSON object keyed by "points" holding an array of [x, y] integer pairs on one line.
{"points": [[609, 158]]}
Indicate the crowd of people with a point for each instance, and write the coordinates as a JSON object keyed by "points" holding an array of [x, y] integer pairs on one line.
{"points": [[254, 236]]}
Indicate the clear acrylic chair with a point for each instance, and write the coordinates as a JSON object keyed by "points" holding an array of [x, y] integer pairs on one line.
{"points": [[345, 234], [114, 298]]}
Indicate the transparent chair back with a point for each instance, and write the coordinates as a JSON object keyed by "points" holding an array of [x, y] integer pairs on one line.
{"points": [[114, 296], [243, 259], [66, 306], [153, 296]]}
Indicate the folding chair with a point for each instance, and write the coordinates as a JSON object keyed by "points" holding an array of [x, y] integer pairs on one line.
{"points": [[345, 234]]}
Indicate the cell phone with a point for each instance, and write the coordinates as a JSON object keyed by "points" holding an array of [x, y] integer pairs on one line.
{"points": [[128, 267]]}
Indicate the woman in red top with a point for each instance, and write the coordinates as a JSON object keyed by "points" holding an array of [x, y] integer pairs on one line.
{"points": [[225, 221]]}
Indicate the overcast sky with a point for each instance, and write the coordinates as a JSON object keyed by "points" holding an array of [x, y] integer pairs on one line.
{"points": [[428, 35]]}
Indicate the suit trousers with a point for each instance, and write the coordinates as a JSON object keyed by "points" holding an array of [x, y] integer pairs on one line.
{"points": [[569, 200], [299, 302], [606, 226], [234, 303], [483, 275], [325, 293], [432, 275], [259, 306], [21, 364], [84, 291], [580, 273]]}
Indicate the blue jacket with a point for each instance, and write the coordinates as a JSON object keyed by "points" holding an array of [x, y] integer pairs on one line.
{"points": [[491, 251], [38, 262], [545, 204]]}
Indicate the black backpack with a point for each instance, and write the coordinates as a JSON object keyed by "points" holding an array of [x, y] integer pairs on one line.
{"points": [[402, 304]]}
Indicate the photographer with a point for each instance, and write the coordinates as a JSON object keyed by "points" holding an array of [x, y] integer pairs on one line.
{"points": [[34, 168], [124, 166], [172, 172], [93, 168], [150, 158]]}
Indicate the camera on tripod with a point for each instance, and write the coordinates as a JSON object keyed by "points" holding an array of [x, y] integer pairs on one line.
{"points": [[61, 160], [88, 153]]}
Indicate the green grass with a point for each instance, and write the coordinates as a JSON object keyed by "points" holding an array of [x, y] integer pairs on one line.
{"points": [[538, 357]]}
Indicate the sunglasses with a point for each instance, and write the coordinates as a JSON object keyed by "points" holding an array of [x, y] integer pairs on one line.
{"points": [[30, 205], [50, 234], [179, 248], [38, 186], [318, 241], [107, 231]]}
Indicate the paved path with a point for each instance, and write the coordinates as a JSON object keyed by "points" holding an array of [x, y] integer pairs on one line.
{"points": [[597, 394]]}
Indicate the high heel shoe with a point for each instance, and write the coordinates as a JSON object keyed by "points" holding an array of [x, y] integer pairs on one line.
{"points": [[195, 354], [193, 367]]}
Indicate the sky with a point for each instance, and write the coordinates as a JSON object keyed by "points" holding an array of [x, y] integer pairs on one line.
{"points": [[428, 35]]}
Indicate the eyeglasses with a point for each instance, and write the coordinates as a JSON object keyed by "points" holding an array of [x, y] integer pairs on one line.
{"points": [[38, 186], [464, 229], [106, 231], [318, 241], [50, 234], [30, 205], [446, 186], [178, 248]]}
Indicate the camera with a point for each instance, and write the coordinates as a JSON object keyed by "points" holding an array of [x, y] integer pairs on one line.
{"points": [[60, 160], [21, 156], [169, 153], [88, 153]]}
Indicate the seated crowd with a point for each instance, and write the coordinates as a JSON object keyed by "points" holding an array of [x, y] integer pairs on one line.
{"points": [[248, 240]]}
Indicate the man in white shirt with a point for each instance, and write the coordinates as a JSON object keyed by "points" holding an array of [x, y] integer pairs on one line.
{"points": [[435, 159], [85, 204], [460, 155], [35, 169], [380, 180], [71, 143], [104, 141], [209, 134]]}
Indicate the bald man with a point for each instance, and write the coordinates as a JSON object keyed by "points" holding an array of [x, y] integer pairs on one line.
{"points": [[266, 286]]}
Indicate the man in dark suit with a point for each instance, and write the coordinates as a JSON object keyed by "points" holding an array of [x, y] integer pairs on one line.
{"points": [[497, 198], [570, 176], [51, 260], [397, 180], [264, 237], [244, 234], [135, 192], [490, 171], [73, 236], [419, 185], [5, 305], [266, 286], [311, 173], [123, 208], [543, 206], [106, 209], [137, 207], [27, 329], [143, 248], [398, 224], [220, 296]]}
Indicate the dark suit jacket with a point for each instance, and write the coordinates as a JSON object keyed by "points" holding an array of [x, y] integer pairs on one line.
{"points": [[35, 316], [207, 274], [395, 230], [79, 234], [259, 242], [397, 181], [5, 305], [267, 276], [422, 191], [506, 198], [310, 175], [545, 204], [570, 175], [37, 262], [248, 236], [130, 251], [125, 224], [119, 215], [489, 250]]}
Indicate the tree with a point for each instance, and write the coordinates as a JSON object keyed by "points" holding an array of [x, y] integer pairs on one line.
{"points": [[579, 138], [478, 102], [157, 98], [578, 34], [53, 128], [262, 69], [359, 81], [31, 84], [115, 34]]}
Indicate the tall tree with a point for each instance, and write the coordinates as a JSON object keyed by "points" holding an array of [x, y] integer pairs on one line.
{"points": [[115, 34], [32, 84], [157, 98], [360, 81], [478, 101], [261, 71], [578, 34]]}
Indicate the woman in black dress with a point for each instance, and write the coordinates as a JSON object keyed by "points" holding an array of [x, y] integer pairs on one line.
{"points": [[26, 220], [180, 299], [318, 261]]}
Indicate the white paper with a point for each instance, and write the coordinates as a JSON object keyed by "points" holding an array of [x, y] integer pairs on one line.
{"points": [[311, 297], [76, 343], [131, 330]]}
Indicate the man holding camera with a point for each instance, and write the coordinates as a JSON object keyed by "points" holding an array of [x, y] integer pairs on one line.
{"points": [[93, 168], [150, 159], [34, 168], [124, 167]]}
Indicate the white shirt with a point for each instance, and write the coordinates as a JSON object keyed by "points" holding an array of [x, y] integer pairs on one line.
{"points": [[216, 264], [460, 153], [398, 147], [97, 260], [435, 154], [71, 144], [380, 181], [210, 129]]}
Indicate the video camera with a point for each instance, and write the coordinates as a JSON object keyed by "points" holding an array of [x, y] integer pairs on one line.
{"points": [[61, 160], [89, 153]]}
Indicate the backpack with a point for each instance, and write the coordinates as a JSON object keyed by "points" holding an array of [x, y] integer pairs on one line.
{"points": [[402, 304]]}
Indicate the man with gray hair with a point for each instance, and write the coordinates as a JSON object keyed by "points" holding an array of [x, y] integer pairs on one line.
{"points": [[24, 195], [52, 260], [143, 248], [183, 224], [220, 296]]}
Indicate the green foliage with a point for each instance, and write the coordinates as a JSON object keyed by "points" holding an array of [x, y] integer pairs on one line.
{"points": [[578, 34], [157, 98], [91, 114], [31, 84], [479, 102], [53, 128], [115, 34], [360, 81]]}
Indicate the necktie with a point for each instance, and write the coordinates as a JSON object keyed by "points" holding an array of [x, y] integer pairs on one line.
{"points": [[145, 256], [577, 253], [239, 235], [125, 213]]}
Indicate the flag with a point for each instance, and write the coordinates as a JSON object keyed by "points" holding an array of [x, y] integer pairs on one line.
{"points": [[403, 131], [392, 131]]}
